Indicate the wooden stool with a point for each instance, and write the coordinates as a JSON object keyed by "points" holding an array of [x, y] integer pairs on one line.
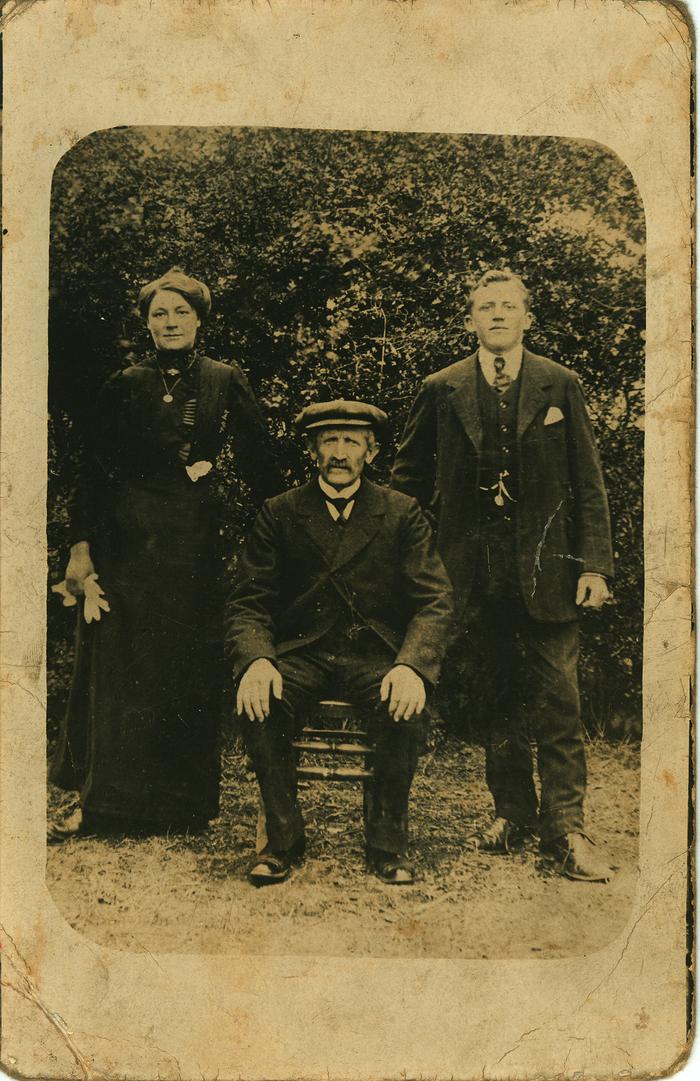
{"points": [[336, 731]]}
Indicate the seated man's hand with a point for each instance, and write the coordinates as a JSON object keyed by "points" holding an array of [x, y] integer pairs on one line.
{"points": [[253, 696], [592, 591], [405, 691]]}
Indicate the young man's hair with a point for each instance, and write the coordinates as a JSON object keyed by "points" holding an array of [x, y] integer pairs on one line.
{"points": [[505, 275]]}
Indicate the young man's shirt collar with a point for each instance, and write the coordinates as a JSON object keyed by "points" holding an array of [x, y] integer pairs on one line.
{"points": [[348, 493], [513, 358]]}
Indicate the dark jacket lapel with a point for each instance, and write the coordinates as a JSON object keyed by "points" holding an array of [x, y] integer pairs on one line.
{"points": [[362, 525], [533, 396], [317, 522], [465, 399]]}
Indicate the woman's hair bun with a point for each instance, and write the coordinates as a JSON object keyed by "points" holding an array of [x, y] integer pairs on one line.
{"points": [[194, 291]]}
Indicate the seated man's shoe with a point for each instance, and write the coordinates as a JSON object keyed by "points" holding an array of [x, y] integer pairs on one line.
{"points": [[270, 867], [391, 868], [501, 837], [576, 858]]}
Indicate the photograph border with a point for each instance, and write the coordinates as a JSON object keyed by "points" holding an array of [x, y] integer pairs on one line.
{"points": [[69, 1009]]}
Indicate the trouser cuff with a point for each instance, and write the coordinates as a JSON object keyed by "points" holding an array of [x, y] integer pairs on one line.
{"points": [[387, 837], [557, 825], [282, 837], [518, 815]]}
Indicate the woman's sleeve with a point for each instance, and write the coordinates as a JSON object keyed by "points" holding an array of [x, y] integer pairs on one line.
{"points": [[252, 443], [94, 463]]}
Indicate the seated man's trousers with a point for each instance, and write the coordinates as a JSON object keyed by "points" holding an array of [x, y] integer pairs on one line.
{"points": [[337, 666]]}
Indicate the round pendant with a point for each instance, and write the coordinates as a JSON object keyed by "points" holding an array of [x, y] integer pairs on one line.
{"points": [[499, 500], [167, 398]]}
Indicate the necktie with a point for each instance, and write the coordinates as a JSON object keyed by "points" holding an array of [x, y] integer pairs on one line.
{"points": [[340, 504], [502, 380]]}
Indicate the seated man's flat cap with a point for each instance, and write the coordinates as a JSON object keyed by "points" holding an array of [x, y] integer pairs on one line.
{"points": [[341, 414]]}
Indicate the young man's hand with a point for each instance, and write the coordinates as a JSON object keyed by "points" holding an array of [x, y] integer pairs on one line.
{"points": [[405, 691], [592, 591], [253, 696]]}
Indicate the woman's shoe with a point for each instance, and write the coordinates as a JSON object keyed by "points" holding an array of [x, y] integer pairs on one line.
{"points": [[65, 829]]}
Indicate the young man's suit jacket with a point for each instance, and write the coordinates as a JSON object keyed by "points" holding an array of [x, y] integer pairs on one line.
{"points": [[562, 518], [301, 573]]}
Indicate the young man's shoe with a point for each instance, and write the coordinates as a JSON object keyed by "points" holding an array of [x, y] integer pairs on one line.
{"points": [[501, 837], [575, 858]]}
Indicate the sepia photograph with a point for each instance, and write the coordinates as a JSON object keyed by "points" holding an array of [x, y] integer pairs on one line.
{"points": [[345, 611], [448, 332]]}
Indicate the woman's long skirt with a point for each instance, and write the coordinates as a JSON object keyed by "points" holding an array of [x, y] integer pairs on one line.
{"points": [[141, 734]]}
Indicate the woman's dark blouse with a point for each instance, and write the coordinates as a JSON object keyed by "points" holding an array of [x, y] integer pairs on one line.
{"points": [[133, 435]]}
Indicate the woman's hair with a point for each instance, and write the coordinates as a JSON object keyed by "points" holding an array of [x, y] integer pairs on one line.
{"points": [[194, 291]]}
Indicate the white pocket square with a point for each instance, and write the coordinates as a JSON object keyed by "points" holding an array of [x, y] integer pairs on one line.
{"points": [[553, 415]]}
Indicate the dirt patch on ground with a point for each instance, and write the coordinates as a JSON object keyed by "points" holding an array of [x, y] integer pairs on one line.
{"points": [[189, 893]]}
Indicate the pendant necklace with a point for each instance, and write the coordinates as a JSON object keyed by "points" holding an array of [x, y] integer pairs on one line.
{"points": [[168, 396]]}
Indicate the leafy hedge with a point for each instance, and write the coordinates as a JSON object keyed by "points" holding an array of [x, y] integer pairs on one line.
{"points": [[339, 263]]}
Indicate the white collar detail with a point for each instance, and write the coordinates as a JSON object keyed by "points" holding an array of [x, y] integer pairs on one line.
{"points": [[339, 493], [513, 358]]}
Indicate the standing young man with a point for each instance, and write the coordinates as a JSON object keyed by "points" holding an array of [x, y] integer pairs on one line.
{"points": [[340, 591], [499, 447]]}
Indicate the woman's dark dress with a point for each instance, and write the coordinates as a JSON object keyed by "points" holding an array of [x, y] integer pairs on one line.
{"points": [[141, 733]]}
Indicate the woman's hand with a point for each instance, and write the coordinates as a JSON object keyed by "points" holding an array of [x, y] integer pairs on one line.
{"points": [[79, 566]]}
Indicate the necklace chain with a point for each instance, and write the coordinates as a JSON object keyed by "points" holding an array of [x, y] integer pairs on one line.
{"points": [[168, 396]]}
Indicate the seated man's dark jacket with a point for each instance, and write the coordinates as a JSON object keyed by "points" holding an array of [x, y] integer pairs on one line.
{"points": [[301, 574]]}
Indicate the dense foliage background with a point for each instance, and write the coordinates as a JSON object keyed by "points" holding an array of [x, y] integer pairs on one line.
{"points": [[339, 263]]}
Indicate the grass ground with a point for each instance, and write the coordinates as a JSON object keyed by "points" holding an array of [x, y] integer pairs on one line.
{"points": [[190, 894]]}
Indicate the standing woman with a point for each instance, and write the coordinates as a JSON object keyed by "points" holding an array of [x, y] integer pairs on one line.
{"points": [[140, 739]]}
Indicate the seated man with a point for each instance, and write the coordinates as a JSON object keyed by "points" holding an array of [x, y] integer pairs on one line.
{"points": [[340, 589]]}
